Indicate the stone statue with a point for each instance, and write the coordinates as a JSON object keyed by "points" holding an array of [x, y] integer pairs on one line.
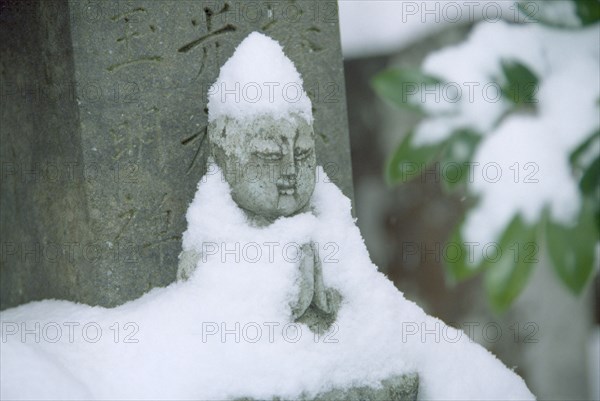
{"points": [[283, 153], [273, 137], [280, 150]]}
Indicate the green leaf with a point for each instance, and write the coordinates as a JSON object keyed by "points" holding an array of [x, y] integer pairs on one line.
{"points": [[550, 13], [530, 12], [588, 11], [509, 263], [401, 85], [459, 261], [458, 153], [574, 157], [590, 181], [521, 84], [408, 161], [597, 215], [571, 249]]}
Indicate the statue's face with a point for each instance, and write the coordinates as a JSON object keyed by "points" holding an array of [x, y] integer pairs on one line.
{"points": [[271, 167]]}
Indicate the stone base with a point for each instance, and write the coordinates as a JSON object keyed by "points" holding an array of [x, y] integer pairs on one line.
{"points": [[396, 388]]}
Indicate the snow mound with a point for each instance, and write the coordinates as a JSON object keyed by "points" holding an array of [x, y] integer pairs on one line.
{"points": [[227, 333], [258, 79]]}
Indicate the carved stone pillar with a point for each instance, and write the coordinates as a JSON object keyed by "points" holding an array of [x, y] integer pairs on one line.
{"points": [[103, 132]]}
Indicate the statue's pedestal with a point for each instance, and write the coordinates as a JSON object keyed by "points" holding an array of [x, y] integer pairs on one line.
{"points": [[396, 388]]}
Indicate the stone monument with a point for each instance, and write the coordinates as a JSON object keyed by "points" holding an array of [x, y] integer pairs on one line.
{"points": [[103, 132]]}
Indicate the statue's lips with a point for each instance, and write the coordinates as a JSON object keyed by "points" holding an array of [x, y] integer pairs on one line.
{"points": [[286, 189]]}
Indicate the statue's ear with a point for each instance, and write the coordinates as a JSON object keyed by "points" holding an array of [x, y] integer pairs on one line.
{"points": [[219, 128], [311, 133], [217, 131]]}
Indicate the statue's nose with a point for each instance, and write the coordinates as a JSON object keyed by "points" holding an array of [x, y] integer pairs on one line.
{"points": [[289, 167], [289, 174]]}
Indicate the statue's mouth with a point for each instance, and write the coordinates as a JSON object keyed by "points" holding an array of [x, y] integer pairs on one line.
{"points": [[286, 185], [287, 188]]}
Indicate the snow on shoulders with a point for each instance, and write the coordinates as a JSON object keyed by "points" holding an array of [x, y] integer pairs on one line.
{"points": [[258, 79]]}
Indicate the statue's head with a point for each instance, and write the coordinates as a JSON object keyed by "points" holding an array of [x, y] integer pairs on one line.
{"points": [[269, 163], [260, 129]]}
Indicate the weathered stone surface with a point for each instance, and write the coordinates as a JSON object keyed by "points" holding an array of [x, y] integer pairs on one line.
{"points": [[396, 388], [104, 126]]}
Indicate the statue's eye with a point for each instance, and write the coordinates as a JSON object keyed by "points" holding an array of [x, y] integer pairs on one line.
{"points": [[269, 156], [301, 154]]}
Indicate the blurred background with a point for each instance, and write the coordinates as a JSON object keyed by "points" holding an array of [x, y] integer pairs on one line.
{"points": [[548, 333]]}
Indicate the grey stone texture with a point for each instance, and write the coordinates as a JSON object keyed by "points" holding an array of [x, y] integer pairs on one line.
{"points": [[266, 184], [103, 132]]}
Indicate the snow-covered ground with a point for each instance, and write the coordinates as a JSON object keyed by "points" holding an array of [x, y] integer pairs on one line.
{"points": [[227, 333]]}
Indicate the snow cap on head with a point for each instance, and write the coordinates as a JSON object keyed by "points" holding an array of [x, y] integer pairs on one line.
{"points": [[258, 80]]}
